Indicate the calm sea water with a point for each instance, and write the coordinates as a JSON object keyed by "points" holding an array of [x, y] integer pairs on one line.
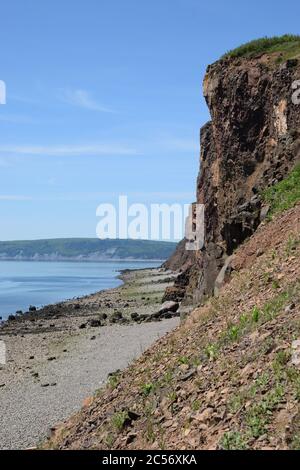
{"points": [[39, 283]]}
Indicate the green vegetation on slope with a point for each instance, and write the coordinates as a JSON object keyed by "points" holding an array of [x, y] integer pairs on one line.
{"points": [[86, 248], [285, 194], [288, 44], [224, 380]]}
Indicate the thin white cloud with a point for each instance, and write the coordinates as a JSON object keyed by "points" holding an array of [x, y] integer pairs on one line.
{"points": [[83, 99], [14, 197], [68, 150]]}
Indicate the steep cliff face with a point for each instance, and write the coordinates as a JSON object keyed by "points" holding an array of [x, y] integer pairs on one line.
{"points": [[252, 141]]}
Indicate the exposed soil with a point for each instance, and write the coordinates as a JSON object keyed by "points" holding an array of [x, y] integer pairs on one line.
{"points": [[226, 378]]}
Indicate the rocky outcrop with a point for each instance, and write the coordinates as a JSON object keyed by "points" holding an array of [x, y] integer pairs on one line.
{"points": [[251, 142]]}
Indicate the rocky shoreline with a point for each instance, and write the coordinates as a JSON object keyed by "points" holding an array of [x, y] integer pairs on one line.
{"points": [[60, 354], [137, 300]]}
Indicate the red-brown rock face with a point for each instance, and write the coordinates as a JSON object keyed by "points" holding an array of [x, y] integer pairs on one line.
{"points": [[252, 141]]}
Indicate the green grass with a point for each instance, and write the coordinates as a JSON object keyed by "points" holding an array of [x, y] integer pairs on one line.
{"points": [[259, 414], [233, 440], [212, 351], [113, 380], [147, 388], [255, 314], [288, 44], [183, 360], [250, 321], [119, 420], [256, 417], [285, 194], [196, 405], [281, 359], [233, 333], [265, 395]]}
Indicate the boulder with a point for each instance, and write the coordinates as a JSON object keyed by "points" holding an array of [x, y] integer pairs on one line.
{"points": [[134, 316], [116, 317], [143, 317], [94, 323], [169, 306], [174, 293], [168, 315]]}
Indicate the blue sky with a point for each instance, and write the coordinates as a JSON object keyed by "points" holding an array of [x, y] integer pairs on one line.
{"points": [[104, 98]]}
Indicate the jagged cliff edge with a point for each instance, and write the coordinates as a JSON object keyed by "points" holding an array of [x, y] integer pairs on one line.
{"points": [[251, 142]]}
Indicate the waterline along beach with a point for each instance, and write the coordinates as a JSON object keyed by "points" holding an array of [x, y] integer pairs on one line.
{"points": [[30, 283], [57, 357]]}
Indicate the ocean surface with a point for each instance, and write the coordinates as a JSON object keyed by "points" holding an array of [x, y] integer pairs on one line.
{"points": [[25, 283]]}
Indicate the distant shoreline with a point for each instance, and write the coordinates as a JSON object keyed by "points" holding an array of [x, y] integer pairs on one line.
{"points": [[119, 274], [68, 307], [86, 250], [86, 260]]}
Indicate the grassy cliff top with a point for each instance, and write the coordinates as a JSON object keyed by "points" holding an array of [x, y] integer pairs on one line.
{"points": [[288, 45]]}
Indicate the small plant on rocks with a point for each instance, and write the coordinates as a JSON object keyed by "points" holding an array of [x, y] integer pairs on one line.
{"points": [[233, 440], [119, 420]]}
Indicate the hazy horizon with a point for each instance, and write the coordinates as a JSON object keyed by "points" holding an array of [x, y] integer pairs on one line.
{"points": [[106, 99]]}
